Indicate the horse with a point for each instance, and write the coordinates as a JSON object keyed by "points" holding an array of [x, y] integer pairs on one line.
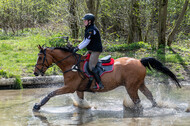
{"points": [[128, 72]]}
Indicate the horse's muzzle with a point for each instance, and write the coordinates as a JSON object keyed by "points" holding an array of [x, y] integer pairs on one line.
{"points": [[36, 74]]}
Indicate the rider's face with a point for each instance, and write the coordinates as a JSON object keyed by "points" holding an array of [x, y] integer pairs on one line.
{"points": [[85, 22]]}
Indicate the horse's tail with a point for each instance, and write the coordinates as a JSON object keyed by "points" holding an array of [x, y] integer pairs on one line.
{"points": [[155, 64]]}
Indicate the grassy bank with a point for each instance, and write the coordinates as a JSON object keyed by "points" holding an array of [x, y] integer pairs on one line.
{"points": [[19, 54], [176, 57]]}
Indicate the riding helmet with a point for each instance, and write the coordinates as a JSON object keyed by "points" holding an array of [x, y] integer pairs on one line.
{"points": [[89, 16]]}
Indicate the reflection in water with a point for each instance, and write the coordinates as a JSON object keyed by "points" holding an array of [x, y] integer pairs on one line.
{"points": [[107, 109], [71, 115], [131, 112], [65, 115], [42, 118], [77, 116]]}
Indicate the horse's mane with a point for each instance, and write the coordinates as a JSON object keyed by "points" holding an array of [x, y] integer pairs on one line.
{"points": [[66, 48]]}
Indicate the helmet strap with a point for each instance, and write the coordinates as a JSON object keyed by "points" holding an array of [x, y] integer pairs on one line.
{"points": [[89, 22]]}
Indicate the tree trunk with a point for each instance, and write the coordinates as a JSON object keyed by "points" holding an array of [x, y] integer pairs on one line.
{"points": [[162, 22], [73, 19], [3, 20], [96, 11], [152, 23], [21, 20], [174, 31], [91, 6], [134, 23]]}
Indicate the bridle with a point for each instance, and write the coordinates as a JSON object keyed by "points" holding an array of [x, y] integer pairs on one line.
{"points": [[43, 63], [75, 67]]}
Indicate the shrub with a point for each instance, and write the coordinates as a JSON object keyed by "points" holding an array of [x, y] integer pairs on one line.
{"points": [[18, 82], [58, 40], [125, 47]]}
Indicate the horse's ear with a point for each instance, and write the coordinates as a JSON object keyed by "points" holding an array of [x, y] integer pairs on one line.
{"points": [[39, 47]]}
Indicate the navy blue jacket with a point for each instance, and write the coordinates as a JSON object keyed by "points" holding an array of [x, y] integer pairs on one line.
{"points": [[92, 32]]}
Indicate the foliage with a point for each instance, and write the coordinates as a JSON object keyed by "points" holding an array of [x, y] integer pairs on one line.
{"points": [[4, 74], [5, 37], [125, 47], [18, 82], [58, 40], [113, 18]]}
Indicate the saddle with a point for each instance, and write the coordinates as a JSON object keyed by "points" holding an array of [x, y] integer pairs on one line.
{"points": [[103, 66]]}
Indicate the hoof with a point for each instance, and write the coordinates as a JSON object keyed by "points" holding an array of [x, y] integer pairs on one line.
{"points": [[36, 107], [154, 105], [83, 105], [188, 110], [138, 107]]}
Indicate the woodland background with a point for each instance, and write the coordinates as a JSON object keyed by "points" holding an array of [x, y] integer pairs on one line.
{"points": [[133, 28], [158, 22]]}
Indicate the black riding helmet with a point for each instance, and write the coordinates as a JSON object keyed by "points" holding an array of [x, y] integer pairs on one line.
{"points": [[89, 16]]}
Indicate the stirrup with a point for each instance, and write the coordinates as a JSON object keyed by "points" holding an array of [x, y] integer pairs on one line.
{"points": [[98, 86]]}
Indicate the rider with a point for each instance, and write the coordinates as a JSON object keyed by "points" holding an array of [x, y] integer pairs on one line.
{"points": [[92, 41]]}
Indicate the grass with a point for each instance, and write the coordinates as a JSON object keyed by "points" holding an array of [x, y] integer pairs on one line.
{"points": [[19, 54], [176, 58], [124, 47]]}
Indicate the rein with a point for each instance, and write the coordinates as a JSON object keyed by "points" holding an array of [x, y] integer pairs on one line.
{"points": [[74, 68]]}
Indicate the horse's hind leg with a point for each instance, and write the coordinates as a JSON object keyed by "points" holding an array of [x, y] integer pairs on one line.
{"points": [[59, 91], [133, 93], [148, 94]]}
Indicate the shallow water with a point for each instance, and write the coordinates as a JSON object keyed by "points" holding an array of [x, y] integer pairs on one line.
{"points": [[107, 108]]}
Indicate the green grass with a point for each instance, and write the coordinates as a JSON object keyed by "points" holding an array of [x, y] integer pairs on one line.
{"points": [[176, 58], [124, 47], [18, 54]]}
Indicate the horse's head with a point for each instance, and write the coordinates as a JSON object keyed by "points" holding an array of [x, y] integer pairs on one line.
{"points": [[44, 61]]}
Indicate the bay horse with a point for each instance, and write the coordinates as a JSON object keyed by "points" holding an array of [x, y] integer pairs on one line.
{"points": [[128, 72]]}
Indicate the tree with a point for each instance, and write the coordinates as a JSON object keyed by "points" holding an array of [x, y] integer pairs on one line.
{"points": [[135, 34], [116, 19], [73, 19], [174, 31], [152, 22], [93, 6], [162, 22]]}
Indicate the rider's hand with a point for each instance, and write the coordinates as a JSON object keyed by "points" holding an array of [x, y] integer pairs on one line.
{"points": [[75, 49]]}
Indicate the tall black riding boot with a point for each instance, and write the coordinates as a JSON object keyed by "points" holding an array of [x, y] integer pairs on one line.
{"points": [[99, 84]]}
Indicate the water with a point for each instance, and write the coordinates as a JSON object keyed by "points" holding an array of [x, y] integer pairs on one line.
{"points": [[107, 108]]}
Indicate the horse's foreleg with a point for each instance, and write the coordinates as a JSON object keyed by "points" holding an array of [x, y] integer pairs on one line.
{"points": [[148, 94], [43, 101], [59, 91], [80, 101]]}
